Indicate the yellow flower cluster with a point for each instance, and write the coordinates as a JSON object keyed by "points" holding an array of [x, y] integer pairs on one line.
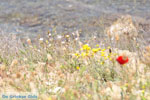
{"points": [[95, 50], [86, 51], [77, 55], [104, 54], [85, 47], [84, 54]]}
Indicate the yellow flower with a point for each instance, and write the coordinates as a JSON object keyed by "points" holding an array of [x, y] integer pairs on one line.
{"points": [[110, 58], [77, 67], [97, 45], [49, 98], [46, 41], [99, 49], [106, 57], [103, 49], [77, 55], [89, 95], [95, 50], [143, 91], [108, 47], [143, 87], [102, 63], [86, 47], [126, 84], [83, 54], [115, 54], [102, 53], [61, 66], [98, 61]]}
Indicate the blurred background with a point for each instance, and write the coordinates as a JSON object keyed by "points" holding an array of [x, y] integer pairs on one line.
{"points": [[30, 18]]}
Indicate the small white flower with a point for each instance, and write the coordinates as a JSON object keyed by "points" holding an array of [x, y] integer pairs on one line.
{"points": [[41, 39], [49, 45], [49, 35], [59, 36], [94, 37], [63, 42], [76, 39], [57, 89]]}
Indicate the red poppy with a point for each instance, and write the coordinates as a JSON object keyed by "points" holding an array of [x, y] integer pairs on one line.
{"points": [[122, 60]]}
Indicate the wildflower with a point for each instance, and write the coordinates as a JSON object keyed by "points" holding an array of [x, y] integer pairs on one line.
{"points": [[49, 98], [106, 57], [143, 91], [102, 53], [99, 49], [77, 55], [76, 39], [102, 63], [67, 36], [57, 89], [110, 58], [63, 42], [97, 45], [49, 45], [108, 47], [89, 95], [103, 50], [143, 86], [28, 41], [62, 66], [122, 59], [86, 47], [41, 40], [77, 67], [49, 34], [59, 36], [83, 54], [94, 37], [95, 50], [46, 41]]}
